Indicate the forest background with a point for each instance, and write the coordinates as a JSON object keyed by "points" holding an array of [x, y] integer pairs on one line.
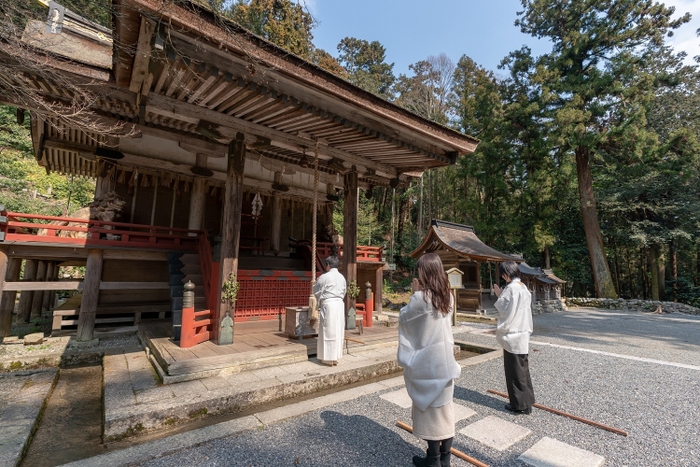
{"points": [[589, 160]]}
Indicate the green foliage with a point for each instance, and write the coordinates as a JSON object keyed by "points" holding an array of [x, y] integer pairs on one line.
{"points": [[353, 290], [366, 65], [24, 185], [282, 22], [99, 11], [229, 289]]}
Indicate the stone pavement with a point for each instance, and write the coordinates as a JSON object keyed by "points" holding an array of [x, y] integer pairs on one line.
{"points": [[22, 397], [593, 375], [135, 401]]}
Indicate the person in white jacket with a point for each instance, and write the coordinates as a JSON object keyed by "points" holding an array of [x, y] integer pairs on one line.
{"points": [[513, 334], [330, 291], [427, 357]]}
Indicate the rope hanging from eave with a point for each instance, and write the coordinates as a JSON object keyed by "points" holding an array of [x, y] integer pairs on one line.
{"points": [[313, 304]]}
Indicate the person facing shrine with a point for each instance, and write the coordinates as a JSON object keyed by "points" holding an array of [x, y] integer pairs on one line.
{"points": [[330, 292], [513, 334], [426, 355]]}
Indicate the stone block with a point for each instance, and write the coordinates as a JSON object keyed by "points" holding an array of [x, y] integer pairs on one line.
{"points": [[34, 338], [495, 433], [400, 398], [549, 452]]}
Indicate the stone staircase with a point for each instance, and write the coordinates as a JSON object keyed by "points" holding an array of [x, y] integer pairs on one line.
{"points": [[184, 267]]}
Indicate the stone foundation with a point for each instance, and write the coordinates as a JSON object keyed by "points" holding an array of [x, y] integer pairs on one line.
{"points": [[548, 306], [634, 305]]}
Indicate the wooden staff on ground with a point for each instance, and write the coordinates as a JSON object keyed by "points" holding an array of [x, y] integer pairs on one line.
{"points": [[565, 414], [454, 452]]}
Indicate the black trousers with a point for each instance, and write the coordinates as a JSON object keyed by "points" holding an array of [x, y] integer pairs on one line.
{"points": [[520, 391]]}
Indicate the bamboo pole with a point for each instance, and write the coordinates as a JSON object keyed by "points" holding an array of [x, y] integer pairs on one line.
{"points": [[566, 414], [354, 340], [454, 452]]}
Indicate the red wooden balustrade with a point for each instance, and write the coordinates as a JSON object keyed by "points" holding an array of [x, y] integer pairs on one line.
{"points": [[365, 254], [36, 228], [196, 327]]}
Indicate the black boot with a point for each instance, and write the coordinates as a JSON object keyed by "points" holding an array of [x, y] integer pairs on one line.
{"points": [[432, 458], [445, 455]]}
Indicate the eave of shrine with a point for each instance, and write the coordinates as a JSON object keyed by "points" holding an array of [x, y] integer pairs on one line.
{"points": [[460, 240], [190, 94]]}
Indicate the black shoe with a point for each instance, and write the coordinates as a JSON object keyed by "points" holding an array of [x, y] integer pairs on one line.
{"points": [[527, 411], [428, 461], [445, 455], [432, 456]]}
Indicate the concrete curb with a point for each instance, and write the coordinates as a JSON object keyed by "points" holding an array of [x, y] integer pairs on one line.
{"points": [[130, 420]]}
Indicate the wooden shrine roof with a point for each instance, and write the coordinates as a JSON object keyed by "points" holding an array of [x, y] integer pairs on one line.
{"points": [[181, 74], [461, 240]]}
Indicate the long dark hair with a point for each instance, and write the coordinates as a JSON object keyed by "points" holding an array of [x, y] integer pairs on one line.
{"points": [[435, 284]]}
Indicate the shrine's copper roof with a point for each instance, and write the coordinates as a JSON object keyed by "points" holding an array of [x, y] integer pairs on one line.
{"points": [[460, 239]]}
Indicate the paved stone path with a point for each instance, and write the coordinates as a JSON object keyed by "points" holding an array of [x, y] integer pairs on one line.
{"points": [[22, 396], [653, 399], [621, 383]]}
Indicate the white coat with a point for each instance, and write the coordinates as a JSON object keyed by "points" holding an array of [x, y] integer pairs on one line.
{"points": [[426, 353], [514, 318], [330, 291]]}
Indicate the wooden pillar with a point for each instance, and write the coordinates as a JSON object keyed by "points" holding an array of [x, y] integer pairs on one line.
{"points": [[197, 204], [38, 298], [47, 302], [25, 297], [478, 284], [378, 287], [7, 304], [91, 294], [231, 223], [350, 232], [276, 218], [9, 270]]}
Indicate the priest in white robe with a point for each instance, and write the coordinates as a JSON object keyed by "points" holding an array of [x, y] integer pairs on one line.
{"points": [[330, 292]]}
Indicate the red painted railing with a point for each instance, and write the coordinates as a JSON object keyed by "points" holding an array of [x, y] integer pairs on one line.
{"points": [[369, 254], [196, 327], [20, 227]]}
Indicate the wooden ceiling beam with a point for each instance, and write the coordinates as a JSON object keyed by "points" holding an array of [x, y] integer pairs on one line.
{"points": [[277, 138], [142, 58]]}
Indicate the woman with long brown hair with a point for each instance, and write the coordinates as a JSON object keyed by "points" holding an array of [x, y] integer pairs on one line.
{"points": [[427, 358]]}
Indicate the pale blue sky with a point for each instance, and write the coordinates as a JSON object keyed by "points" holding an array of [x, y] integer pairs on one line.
{"points": [[412, 30]]}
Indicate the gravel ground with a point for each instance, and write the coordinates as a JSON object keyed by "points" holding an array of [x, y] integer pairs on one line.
{"points": [[655, 403]]}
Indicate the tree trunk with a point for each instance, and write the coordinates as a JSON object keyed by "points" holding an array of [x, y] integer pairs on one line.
{"points": [[643, 270], [604, 286], [674, 269], [547, 262], [660, 271], [617, 266], [653, 261]]}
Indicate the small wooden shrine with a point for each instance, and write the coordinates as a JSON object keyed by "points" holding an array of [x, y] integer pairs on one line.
{"points": [[543, 284], [459, 247]]}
